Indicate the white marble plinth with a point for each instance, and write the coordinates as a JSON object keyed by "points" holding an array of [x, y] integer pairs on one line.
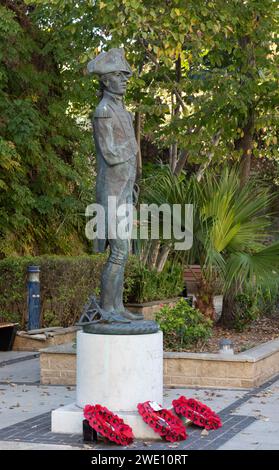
{"points": [[116, 371], [119, 371]]}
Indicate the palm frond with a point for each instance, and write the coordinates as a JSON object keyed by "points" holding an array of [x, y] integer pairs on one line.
{"points": [[260, 268]]}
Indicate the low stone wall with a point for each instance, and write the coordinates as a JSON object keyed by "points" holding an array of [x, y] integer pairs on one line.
{"points": [[149, 309], [244, 370], [25, 342], [58, 365]]}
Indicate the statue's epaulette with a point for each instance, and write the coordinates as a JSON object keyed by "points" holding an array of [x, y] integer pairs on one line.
{"points": [[102, 111]]}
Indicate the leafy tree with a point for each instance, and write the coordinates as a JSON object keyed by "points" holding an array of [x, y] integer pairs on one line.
{"points": [[206, 81], [206, 74], [44, 153]]}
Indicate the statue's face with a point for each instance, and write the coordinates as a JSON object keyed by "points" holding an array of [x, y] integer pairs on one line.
{"points": [[116, 82]]}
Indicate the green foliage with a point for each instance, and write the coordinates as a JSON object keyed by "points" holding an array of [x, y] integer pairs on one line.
{"points": [[251, 304], [268, 300], [245, 310], [183, 325], [228, 55], [145, 285], [228, 52], [230, 224], [44, 154], [67, 282], [232, 230]]}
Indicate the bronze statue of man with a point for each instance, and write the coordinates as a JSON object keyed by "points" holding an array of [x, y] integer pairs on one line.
{"points": [[116, 150]]}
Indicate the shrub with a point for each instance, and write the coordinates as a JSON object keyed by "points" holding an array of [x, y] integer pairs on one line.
{"points": [[248, 306], [144, 285], [183, 325], [245, 310], [268, 300], [67, 282]]}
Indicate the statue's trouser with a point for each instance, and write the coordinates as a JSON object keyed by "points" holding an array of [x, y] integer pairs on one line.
{"points": [[118, 181], [118, 302], [113, 276]]}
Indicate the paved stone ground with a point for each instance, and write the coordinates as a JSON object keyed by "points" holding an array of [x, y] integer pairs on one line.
{"points": [[250, 418], [263, 433]]}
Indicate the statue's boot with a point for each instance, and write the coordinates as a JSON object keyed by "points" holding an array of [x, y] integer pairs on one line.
{"points": [[109, 287], [118, 304], [131, 315]]}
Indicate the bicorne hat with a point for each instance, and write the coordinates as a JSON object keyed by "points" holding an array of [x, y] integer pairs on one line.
{"points": [[111, 61]]}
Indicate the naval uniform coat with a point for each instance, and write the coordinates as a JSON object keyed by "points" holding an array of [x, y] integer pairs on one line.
{"points": [[116, 149]]}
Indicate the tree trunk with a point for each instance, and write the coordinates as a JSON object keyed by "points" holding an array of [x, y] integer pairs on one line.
{"points": [[205, 298], [245, 144], [181, 162], [227, 318], [171, 157], [145, 252], [175, 104], [138, 133], [153, 253], [204, 303], [162, 258], [210, 155], [174, 157], [173, 147]]}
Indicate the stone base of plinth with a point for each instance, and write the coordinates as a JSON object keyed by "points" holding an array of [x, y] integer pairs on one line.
{"points": [[68, 420], [116, 371]]}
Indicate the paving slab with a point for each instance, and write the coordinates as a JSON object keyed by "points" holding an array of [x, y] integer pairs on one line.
{"points": [[24, 371], [263, 433], [263, 404], [11, 445], [12, 355], [19, 402]]}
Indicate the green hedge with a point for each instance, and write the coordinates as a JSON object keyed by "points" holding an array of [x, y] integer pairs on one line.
{"points": [[66, 283], [143, 285]]}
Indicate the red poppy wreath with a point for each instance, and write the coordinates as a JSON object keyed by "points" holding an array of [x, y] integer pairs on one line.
{"points": [[162, 421], [197, 412], [108, 424]]}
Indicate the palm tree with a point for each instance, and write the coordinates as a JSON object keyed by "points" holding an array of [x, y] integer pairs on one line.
{"points": [[230, 231]]}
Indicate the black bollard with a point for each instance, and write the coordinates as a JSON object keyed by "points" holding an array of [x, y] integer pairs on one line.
{"points": [[34, 301]]}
